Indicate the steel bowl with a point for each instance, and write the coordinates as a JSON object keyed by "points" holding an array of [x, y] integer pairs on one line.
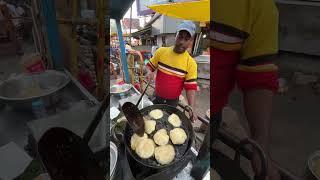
{"points": [[120, 89], [21, 90]]}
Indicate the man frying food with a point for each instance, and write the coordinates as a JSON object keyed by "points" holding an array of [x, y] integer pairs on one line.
{"points": [[176, 69]]}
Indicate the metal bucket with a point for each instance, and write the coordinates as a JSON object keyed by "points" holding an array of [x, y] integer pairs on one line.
{"points": [[21, 90]]}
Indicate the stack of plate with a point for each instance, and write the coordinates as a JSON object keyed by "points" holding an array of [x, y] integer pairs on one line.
{"points": [[113, 159]]}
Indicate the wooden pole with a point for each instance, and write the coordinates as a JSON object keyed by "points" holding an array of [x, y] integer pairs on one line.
{"points": [[74, 48], [130, 26], [101, 46], [141, 63], [123, 52]]}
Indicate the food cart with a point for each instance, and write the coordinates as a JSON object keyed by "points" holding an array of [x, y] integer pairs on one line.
{"points": [[124, 163]]}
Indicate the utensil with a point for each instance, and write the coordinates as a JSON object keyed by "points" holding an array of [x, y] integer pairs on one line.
{"points": [[134, 116], [20, 91], [182, 151], [65, 155], [145, 89], [119, 89]]}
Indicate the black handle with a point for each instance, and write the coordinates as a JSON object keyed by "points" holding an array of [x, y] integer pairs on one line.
{"points": [[141, 96], [97, 118], [189, 110], [262, 155], [149, 83], [204, 120]]}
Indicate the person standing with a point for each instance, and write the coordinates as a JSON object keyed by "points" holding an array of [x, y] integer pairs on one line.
{"points": [[176, 69], [245, 42]]}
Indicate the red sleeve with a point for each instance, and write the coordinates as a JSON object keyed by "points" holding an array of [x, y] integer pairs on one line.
{"points": [[191, 85]]}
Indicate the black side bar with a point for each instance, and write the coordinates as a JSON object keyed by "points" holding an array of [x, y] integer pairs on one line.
{"points": [[233, 142]]}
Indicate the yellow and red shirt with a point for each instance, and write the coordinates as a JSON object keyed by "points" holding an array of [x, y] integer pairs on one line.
{"points": [[244, 38], [174, 72]]}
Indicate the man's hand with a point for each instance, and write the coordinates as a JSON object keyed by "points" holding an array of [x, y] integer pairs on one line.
{"points": [[149, 75], [195, 117], [191, 101]]}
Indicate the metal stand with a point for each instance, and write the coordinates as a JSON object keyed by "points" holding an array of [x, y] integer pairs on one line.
{"points": [[49, 14], [123, 52]]}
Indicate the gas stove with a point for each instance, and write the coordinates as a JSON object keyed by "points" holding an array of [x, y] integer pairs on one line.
{"points": [[129, 169]]}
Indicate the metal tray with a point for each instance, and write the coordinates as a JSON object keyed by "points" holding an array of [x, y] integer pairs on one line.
{"points": [[118, 89]]}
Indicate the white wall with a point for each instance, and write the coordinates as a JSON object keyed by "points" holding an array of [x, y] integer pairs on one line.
{"points": [[170, 39], [165, 25], [299, 28], [159, 41]]}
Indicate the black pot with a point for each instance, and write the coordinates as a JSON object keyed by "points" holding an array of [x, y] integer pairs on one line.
{"points": [[182, 151]]}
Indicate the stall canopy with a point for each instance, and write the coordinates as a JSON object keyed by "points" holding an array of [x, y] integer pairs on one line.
{"points": [[118, 8], [143, 32], [192, 10]]}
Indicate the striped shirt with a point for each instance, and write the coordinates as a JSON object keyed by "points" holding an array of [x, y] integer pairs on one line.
{"points": [[174, 72], [249, 28]]}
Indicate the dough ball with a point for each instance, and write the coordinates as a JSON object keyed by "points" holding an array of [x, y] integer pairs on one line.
{"points": [[178, 136], [161, 137], [156, 114], [145, 148], [164, 154], [174, 120], [135, 139], [149, 126]]}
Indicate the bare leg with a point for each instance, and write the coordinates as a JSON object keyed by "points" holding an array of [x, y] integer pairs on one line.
{"points": [[258, 107]]}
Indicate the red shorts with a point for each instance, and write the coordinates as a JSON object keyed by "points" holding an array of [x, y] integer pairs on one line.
{"points": [[224, 76]]}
